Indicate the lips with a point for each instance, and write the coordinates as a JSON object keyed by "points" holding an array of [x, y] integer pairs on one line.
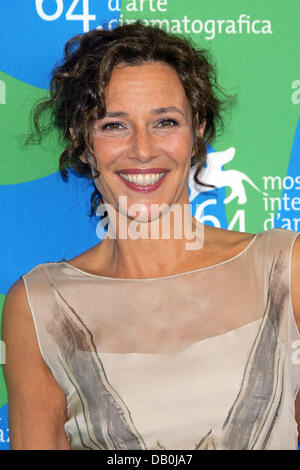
{"points": [[143, 187], [142, 171]]}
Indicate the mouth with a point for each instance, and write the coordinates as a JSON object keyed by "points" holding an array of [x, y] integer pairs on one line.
{"points": [[143, 180]]}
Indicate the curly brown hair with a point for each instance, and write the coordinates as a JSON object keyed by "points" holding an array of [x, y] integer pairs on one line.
{"points": [[78, 86]]}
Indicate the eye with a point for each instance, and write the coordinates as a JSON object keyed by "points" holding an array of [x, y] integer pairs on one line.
{"points": [[167, 123], [112, 126]]}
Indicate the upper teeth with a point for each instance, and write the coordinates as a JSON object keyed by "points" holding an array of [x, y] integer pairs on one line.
{"points": [[143, 179]]}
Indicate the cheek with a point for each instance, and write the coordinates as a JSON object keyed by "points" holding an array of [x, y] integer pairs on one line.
{"points": [[179, 147], [105, 151]]}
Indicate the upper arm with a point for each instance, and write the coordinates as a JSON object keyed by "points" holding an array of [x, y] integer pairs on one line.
{"points": [[36, 404], [296, 280], [296, 303]]}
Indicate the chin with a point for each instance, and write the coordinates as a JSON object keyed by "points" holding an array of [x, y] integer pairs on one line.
{"points": [[147, 212]]}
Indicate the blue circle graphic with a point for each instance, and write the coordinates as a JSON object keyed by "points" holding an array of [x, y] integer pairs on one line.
{"points": [[33, 37]]}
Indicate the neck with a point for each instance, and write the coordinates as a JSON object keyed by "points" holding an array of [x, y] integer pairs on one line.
{"points": [[154, 248]]}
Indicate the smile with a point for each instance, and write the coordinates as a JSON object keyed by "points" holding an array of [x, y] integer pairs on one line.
{"points": [[143, 180]]}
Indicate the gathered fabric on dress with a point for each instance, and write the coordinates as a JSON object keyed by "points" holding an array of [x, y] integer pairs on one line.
{"points": [[205, 359]]}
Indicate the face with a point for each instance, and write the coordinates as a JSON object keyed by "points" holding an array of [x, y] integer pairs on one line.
{"points": [[144, 143]]}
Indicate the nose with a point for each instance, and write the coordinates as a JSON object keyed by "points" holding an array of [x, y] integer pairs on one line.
{"points": [[141, 145]]}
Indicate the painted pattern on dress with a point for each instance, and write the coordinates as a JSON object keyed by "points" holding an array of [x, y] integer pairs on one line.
{"points": [[250, 420]]}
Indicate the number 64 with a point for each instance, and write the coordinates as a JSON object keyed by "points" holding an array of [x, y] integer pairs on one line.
{"points": [[85, 17]]}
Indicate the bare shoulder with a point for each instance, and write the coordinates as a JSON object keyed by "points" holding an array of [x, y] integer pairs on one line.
{"points": [[17, 330], [94, 260], [295, 276], [229, 240], [19, 335], [16, 311], [37, 408]]}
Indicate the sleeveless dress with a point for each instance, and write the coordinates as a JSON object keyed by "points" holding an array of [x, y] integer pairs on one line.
{"points": [[205, 359]]}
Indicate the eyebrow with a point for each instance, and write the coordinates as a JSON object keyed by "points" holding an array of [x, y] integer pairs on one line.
{"points": [[166, 110], [116, 114], [154, 111]]}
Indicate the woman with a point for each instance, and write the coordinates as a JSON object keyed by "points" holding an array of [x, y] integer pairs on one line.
{"points": [[179, 342]]}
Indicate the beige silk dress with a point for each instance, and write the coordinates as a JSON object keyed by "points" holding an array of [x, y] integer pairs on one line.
{"points": [[205, 359]]}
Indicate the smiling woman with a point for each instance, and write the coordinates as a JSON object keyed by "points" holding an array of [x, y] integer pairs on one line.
{"points": [[92, 58], [125, 149], [151, 342]]}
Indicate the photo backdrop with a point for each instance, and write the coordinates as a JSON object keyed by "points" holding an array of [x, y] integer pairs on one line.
{"points": [[255, 162]]}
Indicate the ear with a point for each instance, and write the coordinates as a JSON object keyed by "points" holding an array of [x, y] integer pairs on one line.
{"points": [[73, 137], [71, 130], [202, 128]]}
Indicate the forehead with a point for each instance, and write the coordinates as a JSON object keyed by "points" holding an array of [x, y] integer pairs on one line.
{"points": [[151, 84]]}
